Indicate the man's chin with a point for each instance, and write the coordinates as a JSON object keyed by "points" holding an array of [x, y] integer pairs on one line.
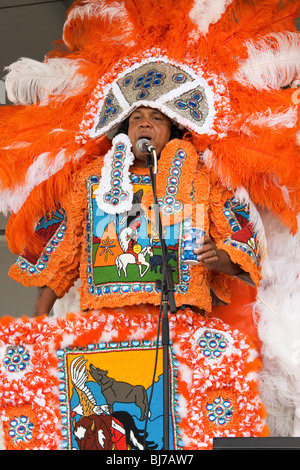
{"points": [[140, 159]]}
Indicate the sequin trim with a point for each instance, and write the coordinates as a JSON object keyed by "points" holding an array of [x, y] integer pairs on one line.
{"points": [[36, 268], [169, 204]]}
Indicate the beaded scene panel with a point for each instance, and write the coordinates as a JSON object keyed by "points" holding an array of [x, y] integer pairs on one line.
{"points": [[124, 251], [113, 379]]}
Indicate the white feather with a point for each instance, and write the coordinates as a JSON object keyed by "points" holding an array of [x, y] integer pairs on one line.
{"points": [[280, 332], [79, 377], [11, 200], [205, 12], [287, 118], [113, 11], [29, 81], [273, 61], [106, 11]]}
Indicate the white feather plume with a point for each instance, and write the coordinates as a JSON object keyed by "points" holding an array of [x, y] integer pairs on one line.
{"points": [[106, 11], [11, 200], [29, 81], [287, 118], [114, 11], [278, 322], [205, 12], [272, 62]]}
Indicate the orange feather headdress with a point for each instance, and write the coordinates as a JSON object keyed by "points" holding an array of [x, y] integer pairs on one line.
{"points": [[223, 70]]}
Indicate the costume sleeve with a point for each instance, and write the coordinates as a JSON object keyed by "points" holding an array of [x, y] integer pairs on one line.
{"points": [[232, 230], [57, 264]]}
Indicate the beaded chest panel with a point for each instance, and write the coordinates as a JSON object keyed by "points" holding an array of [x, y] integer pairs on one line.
{"points": [[124, 253]]}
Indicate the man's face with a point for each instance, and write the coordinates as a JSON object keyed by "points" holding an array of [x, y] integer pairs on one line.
{"points": [[152, 125]]}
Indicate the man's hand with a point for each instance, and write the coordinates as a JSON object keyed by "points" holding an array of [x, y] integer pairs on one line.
{"points": [[215, 259]]}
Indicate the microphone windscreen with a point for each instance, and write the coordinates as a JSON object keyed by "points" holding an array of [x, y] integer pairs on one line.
{"points": [[143, 145]]}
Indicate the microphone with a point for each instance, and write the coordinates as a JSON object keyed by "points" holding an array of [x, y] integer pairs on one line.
{"points": [[144, 146]]}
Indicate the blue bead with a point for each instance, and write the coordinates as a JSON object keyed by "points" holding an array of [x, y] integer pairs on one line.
{"points": [[181, 104], [136, 288], [148, 288], [196, 115]]}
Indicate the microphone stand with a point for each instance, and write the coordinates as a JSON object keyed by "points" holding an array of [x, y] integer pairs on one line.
{"points": [[168, 302]]}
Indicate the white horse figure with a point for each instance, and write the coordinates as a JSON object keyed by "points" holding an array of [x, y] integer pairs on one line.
{"points": [[124, 259]]}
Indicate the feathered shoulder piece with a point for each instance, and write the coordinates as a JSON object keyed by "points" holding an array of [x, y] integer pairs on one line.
{"points": [[224, 70]]}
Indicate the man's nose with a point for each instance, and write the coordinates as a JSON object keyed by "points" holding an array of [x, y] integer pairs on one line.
{"points": [[145, 122]]}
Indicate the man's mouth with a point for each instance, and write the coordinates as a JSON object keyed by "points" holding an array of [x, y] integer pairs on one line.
{"points": [[145, 136]]}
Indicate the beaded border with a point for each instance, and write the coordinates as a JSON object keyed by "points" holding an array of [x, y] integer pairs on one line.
{"points": [[50, 248], [169, 204], [115, 194]]}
